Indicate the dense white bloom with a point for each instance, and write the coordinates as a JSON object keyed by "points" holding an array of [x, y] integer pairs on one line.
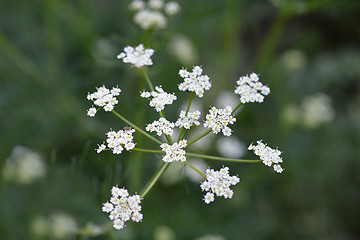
{"points": [[24, 166], [194, 81], [123, 207], [119, 140], [174, 152], [162, 126], [188, 120], [218, 119], [251, 89], [218, 183], [171, 8], [160, 98], [148, 19], [267, 155], [138, 56], [104, 98]]}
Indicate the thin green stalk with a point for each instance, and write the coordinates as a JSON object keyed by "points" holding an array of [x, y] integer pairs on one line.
{"points": [[147, 79], [203, 134], [221, 158], [236, 108], [187, 110], [147, 150], [136, 127], [154, 179], [168, 138], [195, 169]]}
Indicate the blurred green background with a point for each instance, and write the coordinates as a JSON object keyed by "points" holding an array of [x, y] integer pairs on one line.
{"points": [[52, 53]]}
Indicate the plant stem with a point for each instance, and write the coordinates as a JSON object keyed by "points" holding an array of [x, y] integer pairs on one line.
{"points": [[195, 169], [187, 110], [221, 158], [147, 150], [147, 79], [199, 137], [236, 108], [136, 127], [154, 179]]}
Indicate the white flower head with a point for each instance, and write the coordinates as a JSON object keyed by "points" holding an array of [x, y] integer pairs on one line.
{"points": [[268, 155], [174, 152], [172, 8], [251, 89], [219, 119], [161, 127], [160, 98], [218, 183], [188, 120], [194, 81], [104, 98], [138, 56], [123, 207], [118, 141]]}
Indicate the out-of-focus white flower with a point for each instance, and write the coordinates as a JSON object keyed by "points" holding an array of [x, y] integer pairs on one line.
{"points": [[39, 227], [62, 226], [291, 114], [294, 60], [24, 166], [226, 98], [230, 147], [148, 19], [172, 8], [316, 110], [183, 50]]}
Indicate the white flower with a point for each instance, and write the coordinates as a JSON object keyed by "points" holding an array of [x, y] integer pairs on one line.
{"points": [[162, 126], [24, 166], [139, 56], [268, 155], [174, 152], [148, 19], [194, 81], [103, 97], [62, 226], [136, 5], [172, 8], [218, 120], [250, 89], [117, 141], [160, 98], [218, 183], [316, 110], [156, 4], [188, 120], [123, 207]]}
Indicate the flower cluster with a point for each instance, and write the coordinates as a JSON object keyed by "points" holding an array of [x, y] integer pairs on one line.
{"points": [[123, 207], [119, 140], [188, 120], [268, 155], [162, 126], [151, 15], [103, 97], [138, 56], [218, 183], [160, 98], [218, 119], [251, 89], [174, 152], [194, 81]]}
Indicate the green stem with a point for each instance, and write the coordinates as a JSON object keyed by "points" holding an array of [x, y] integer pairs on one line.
{"points": [[187, 110], [168, 138], [147, 79], [221, 158], [199, 137], [154, 179], [147, 150], [236, 108], [195, 169], [136, 127]]}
